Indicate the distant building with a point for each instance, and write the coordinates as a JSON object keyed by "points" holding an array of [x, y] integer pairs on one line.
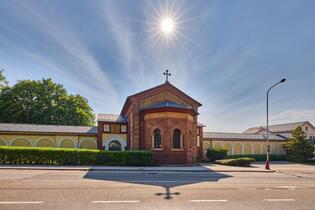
{"points": [[285, 129], [253, 140]]}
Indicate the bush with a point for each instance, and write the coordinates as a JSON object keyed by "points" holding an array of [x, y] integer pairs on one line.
{"points": [[61, 156], [245, 161], [213, 154], [272, 157]]}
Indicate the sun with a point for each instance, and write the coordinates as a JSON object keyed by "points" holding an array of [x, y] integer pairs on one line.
{"points": [[167, 25]]}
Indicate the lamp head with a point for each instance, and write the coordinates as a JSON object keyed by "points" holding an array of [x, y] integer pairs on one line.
{"points": [[283, 80]]}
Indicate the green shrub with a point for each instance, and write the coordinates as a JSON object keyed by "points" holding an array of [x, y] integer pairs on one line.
{"points": [[245, 161], [272, 157], [62, 156], [215, 154]]}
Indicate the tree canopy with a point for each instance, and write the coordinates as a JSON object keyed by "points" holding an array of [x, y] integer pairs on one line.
{"points": [[43, 102], [298, 148], [3, 81]]}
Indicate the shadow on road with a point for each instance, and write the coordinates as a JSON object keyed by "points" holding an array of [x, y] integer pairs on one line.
{"points": [[167, 180]]}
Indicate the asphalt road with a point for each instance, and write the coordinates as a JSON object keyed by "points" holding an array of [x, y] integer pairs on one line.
{"points": [[40, 189]]}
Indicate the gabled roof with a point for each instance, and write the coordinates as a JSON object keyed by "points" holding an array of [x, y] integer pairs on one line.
{"points": [[240, 136], [165, 86], [111, 118], [11, 127], [278, 128]]}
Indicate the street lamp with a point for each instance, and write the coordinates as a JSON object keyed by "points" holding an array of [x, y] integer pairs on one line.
{"points": [[268, 146]]}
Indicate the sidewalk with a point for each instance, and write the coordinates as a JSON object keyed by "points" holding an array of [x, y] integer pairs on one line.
{"points": [[198, 168]]}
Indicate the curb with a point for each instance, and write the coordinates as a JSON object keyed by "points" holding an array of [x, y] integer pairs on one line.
{"points": [[132, 170]]}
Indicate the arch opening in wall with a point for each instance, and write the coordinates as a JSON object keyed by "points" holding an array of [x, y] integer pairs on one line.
{"points": [[228, 147], [257, 149], [217, 146], [45, 143], [238, 149], [88, 144], [21, 142], [265, 149], [116, 144], [2, 143], [247, 149], [67, 143]]}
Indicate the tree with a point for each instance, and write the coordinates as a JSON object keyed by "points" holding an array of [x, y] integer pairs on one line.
{"points": [[43, 102], [3, 81], [298, 148]]}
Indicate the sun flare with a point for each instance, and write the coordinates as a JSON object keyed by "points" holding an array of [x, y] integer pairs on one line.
{"points": [[167, 25]]}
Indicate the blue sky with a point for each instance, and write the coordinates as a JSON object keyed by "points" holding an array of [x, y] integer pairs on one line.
{"points": [[224, 54]]}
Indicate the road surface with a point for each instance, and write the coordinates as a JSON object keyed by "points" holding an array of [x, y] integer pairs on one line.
{"points": [[53, 189]]}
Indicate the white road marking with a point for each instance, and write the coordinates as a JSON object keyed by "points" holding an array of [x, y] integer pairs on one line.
{"points": [[281, 200], [130, 201], [286, 187], [188, 181], [222, 200], [21, 202]]}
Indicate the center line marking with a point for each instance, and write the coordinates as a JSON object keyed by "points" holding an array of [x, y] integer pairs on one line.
{"points": [[135, 201], [222, 200], [275, 200], [21, 202]]}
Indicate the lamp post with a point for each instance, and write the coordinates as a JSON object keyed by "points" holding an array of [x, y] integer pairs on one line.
{"points": [[268, 146]]}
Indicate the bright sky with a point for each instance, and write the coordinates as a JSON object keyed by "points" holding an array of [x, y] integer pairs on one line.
{"points": [[224, 54]]}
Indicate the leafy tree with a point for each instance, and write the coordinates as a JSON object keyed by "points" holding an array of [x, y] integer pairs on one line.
{"points": [[298, 148], [43, 102], [3, 81]]}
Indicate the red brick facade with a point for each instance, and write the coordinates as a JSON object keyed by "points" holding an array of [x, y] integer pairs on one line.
{"points": [[167, 120], [142, 118]]}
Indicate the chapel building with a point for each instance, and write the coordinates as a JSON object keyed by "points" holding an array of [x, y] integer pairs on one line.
{"points": [[162, 119]]}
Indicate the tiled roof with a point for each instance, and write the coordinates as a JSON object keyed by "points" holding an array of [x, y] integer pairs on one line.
{"points": [[166, 104], [287, 127], [11, 127], [111, 118], [245, 136]]}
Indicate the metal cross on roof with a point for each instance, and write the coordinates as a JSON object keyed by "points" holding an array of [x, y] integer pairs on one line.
{"points": [[167, 74]]}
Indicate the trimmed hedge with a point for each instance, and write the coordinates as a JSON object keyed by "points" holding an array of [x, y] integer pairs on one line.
{"points": [[63, 156], [273, 157], [236, 162], [216, 154]]}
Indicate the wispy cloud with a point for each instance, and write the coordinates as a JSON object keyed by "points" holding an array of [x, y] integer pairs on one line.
{"points": [[77, 56], [225, 54], [294, 115]]}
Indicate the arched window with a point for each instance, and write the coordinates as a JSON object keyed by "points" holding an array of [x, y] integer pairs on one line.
{"points": [[157, 139], [114, 146], [176, 139]]}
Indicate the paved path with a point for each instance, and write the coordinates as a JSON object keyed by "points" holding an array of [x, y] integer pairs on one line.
{"points": [[68, 189]]}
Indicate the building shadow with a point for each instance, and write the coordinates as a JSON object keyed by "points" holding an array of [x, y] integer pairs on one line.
{"points": [[165, 179]]}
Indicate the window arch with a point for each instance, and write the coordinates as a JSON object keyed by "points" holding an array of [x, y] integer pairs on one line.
{"points": [[114, 146], [157, 139], [177, 144]]}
